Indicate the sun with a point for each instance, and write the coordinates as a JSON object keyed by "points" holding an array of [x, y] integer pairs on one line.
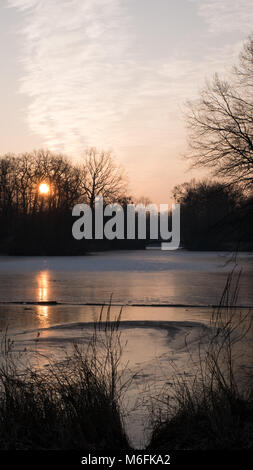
{"points": [[44, 188]]}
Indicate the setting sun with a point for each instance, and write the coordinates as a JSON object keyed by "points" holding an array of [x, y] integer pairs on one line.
{"points": [[44, 188]]}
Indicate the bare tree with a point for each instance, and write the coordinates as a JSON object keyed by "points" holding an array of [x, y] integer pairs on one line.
{"points": [[221, 124], [21, 175], [244, 71], [143, 200], [7, 183], [209, 212], [102, 177], [64, 179]]}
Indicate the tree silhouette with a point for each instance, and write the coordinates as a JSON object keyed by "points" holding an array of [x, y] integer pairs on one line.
{"points": [[209, 214], [102, 177], [220, 124]]}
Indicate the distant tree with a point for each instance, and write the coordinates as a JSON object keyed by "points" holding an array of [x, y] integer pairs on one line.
{"points": [[29, 221], [64, 179], [102, 177], [143, 200], [21, 175], [208, 212], [220, 124], [7, 183]]}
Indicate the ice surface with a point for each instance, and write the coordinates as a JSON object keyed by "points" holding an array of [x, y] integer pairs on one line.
{"points": [[132, 277]]}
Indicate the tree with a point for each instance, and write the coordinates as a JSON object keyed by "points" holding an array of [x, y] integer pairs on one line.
{"points": [[20, 176], [209, 210], [7, 183], [102, 177], [64, 179], [143, 200], [29, 221], [220, 124]]}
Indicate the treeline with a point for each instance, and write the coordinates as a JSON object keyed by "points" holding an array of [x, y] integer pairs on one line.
{"points": [[35, 223], [215, 216]]}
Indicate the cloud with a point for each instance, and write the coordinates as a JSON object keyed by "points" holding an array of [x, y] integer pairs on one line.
{"points": [[225, 16], [75, 68], [86, 85]]}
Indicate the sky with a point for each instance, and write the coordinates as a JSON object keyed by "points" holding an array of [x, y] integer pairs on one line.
{"points": [[114, 74]]}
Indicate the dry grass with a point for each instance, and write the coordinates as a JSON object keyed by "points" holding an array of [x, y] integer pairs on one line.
{"points": [[71, 405], [210, 410]]}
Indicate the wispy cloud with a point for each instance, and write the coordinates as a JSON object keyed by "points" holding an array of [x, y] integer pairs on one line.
{"points": [[225, 16], [76, 68], [87, 86]]}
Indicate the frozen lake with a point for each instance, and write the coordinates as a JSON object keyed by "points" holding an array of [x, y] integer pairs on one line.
{"points": [[166, 296], [132, 277]]}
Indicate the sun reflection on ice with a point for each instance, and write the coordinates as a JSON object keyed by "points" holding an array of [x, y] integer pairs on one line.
{"points": [[43, 286], [43, 296], [42, 312]]}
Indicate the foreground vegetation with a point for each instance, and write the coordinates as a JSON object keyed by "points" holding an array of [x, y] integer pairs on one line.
{"points": [[213, 409], [77, 404], [72, 405]]}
